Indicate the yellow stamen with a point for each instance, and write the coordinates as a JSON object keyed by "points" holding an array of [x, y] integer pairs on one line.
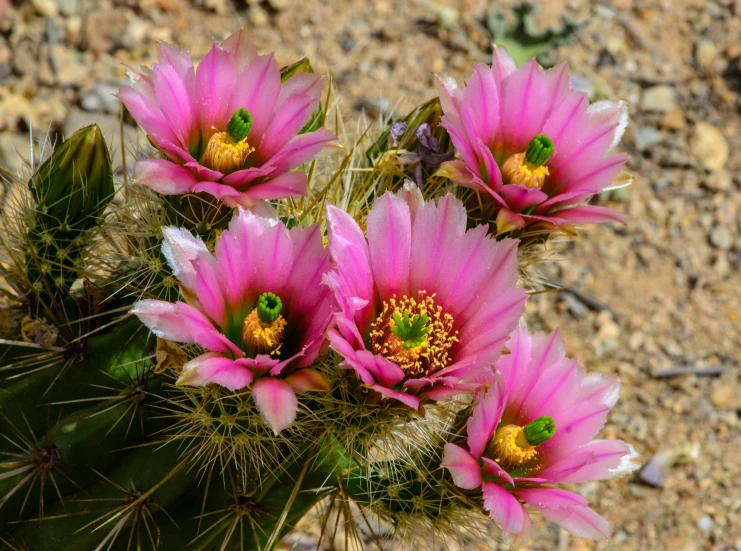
{"points": [[433, 354], [224, 154], [263, 338], [509, 447], [517, 170]]}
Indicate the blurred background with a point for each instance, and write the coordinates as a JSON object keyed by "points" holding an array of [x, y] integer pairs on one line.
{"points": [[657, 302]]}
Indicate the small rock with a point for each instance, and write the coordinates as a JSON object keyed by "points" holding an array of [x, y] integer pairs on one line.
{"points": [[705, 54], [647, 137], [582, 84], [721, 238], [6, 56], [280, 5], [45, 8], [135, 33], [101, 98], [720, 180], [709, 146], [258, 16], [705, 524], [658, 99], [70, 69], [674, 119], [722, 395], [69, 7]]}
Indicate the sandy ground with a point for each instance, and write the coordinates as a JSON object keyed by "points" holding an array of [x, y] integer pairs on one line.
{"points": [[656, 302]]}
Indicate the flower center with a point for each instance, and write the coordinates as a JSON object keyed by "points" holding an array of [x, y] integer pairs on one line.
{"points": [[513, 446], [262, 330], [415, 334], [528, 169], [227, 151]]}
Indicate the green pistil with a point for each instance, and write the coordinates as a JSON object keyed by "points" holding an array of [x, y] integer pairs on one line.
{"points": [[540, 430], [268, 307], [239, 125], [411, 330], [539, 150]]}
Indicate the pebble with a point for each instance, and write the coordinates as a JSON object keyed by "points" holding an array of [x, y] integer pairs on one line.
{"points": [[721, 238], [674, 119], [658, 99], [709, 146], [71, 71], [720, 180], [101, 98], [45, 8], [705, 53], [69, 7], [647, 137], [258, 16], [722, 395], [705, 524]]}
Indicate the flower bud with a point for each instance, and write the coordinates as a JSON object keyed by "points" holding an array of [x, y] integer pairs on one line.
{"points": [[74, 185]]}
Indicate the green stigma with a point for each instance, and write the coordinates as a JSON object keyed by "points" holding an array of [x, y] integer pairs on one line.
{"points": [[540, 430], [539, 150], [239, 125], [411, 330], [268, 307]]}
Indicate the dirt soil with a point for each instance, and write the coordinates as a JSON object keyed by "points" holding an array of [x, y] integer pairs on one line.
{"points": [[657, 302]]}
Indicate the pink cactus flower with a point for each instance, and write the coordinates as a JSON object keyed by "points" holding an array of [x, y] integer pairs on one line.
{"points": [[538, 149], [424, 303], [229, 128], [257, 306], [532, 429]]}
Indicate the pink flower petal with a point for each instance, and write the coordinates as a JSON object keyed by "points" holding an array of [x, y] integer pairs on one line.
{"points": [[607, 459], [463, 467], [181, 322], [301, 84], [403, 397], [174, 99], [180, 248], [216, 189], [276, 401], [304, 380], [580, 521], [504, 509], [349, 355], [239, 46], [384, 371], [215, 368], [237, 254], [486, 416], [300, 149], [288, 184], [457, 171], [435, 228], [208, 288], [551, 498], [492, 468], [520, 198], [390, 244], [258, 92], [164, 176], [481, 97], [148, 114], [589, 214], [215, 78], [349, 251], [288, 120]]}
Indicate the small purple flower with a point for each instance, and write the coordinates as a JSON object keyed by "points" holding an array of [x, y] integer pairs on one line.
{"points": [[428, 153]]}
